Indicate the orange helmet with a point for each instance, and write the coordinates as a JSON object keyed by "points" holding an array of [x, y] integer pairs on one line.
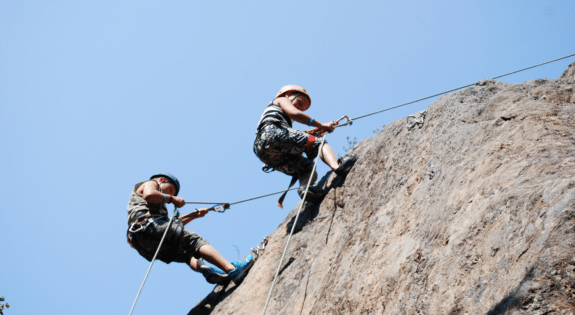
{"points": [[294, 88]]}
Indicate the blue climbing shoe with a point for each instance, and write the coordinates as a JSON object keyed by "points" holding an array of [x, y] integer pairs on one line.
{"points": [[212, 274], [242, 268], [218, 270]]}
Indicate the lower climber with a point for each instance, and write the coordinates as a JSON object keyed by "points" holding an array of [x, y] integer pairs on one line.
{"points": [[280, 147], [148, 220]]}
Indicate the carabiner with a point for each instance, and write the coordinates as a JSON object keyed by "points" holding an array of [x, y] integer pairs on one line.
{"points": [[418, 120], [137, 227], [220, 208], [348, 121]]}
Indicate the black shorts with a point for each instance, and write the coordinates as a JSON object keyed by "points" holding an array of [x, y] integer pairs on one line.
{"points": [[178, 247]]}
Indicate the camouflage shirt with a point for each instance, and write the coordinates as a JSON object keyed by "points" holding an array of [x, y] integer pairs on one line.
{"points": [[138, 206]]}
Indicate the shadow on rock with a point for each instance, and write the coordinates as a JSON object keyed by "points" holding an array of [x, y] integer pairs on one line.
{"points": [[514, 299], [307, 215], [219, 294], [310, 210]]}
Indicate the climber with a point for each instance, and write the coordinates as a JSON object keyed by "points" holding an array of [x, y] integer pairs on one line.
{"points": [[148, 220], [280, 147]]}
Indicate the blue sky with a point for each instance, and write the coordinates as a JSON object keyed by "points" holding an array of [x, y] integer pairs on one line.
{"points": [[96, 96]]}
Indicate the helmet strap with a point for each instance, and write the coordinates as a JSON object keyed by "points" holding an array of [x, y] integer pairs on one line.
{"points": [[296, 96]]}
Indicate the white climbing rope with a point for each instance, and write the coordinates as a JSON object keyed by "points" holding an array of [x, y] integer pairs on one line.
{"points": [[350, 121], [235, 203], [452, 90], [293, 228], [153, 259]]}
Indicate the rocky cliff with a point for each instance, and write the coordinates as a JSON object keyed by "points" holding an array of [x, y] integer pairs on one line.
{"points": [[474, 213]]}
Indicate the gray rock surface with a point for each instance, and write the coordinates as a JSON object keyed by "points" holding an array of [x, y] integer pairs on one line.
{"points": [[490, 232]]}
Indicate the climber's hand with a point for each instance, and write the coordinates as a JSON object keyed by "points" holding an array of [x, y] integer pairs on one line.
{"points": [[329, 127]]}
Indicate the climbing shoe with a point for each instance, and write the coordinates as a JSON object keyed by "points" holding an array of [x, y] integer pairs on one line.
{"points": [[212, 274], [242, 268], [345, 165], [314, 194]]}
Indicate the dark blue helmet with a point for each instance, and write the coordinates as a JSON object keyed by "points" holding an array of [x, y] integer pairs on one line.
{"points": [[171, 178]]}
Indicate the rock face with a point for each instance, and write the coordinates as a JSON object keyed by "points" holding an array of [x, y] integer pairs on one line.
{"points": [[474, 213]]}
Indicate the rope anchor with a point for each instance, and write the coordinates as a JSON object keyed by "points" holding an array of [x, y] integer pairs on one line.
{"points": [[418, 120], [261, 246]]}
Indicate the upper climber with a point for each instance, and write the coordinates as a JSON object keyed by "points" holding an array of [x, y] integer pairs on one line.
{"points": [[280, 147]]}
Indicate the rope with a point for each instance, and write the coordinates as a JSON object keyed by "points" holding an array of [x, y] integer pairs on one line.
{"points": [[204, 203], [452, 90], [293, 227], [235, 203], [347, 123], [386, 109], [309, 182], [153, 259]]}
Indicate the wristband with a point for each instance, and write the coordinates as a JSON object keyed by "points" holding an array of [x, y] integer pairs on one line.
{"points": [[310, 122], [164, 198]]}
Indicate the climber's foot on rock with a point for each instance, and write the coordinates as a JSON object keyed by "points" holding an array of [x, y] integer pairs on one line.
{"points": [[345, 165], [242, 268], [213, 275], [314, 194]]}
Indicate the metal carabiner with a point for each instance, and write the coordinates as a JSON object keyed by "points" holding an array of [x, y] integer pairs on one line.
{"points": [[348, 121], [418, 120], [261, 246], [142, 226], [220, 208], [320, 132]]}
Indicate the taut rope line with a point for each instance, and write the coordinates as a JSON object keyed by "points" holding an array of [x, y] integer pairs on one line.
{"points": [[293, 227], [349, 122], [153, 259], [452, 90], [235, 203]]}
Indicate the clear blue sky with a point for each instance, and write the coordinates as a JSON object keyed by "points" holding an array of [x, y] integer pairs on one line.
{"points": [[96, 96]]}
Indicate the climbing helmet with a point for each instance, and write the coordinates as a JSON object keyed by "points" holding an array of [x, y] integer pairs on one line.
{"points": [[295, 88], [171, 179]]}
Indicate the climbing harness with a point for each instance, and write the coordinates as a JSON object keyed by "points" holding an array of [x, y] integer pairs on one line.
{"points": [[141, 223], [317, 132], [292, 228], [176, 214], [417, 120]]}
